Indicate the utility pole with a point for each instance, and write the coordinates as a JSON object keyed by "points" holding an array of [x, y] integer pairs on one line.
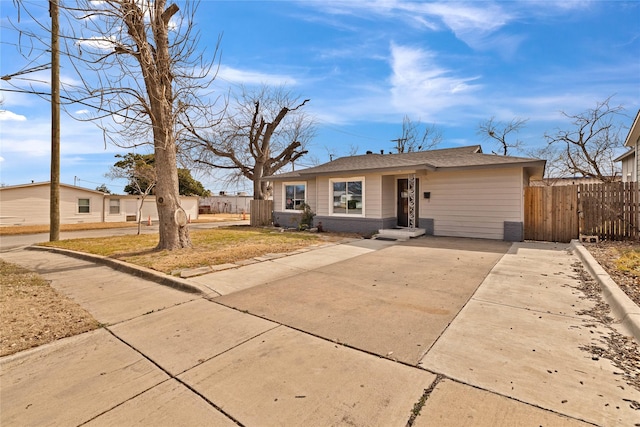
{"points": [[54, 202]]}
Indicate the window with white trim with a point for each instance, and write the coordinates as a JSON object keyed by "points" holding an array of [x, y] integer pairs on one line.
{"points": [[114, 206], [84, 205], [347, 196], [294, 195]]}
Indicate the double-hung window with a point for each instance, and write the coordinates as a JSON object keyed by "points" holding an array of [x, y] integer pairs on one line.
{"points": [[84, 205], [294, 195], [347, 196], [114, 206]]}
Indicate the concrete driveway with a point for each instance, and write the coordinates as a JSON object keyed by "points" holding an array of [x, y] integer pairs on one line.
{"points": [[485, 333], [394, 302]]}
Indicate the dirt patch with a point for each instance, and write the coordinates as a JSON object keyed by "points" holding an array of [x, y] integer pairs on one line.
{"points": [[33, 313], [627, 275]]}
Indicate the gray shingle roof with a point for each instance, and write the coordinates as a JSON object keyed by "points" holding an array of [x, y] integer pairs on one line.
{"points": [[448, 158]]}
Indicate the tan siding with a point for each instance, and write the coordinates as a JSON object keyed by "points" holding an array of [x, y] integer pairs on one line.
{"points": [[373, 196], [311, 195], [388, 196], [473, 203], [324, 198]]}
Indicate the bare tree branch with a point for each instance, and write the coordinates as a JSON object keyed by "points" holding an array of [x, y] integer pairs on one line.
{"points": [[589, 148], [263, 131], [417, 137], [500, 131]]}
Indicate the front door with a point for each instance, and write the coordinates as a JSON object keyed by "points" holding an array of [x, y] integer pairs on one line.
{"points": [[403, 203]]}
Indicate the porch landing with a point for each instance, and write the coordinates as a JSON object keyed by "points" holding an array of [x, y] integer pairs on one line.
{"points": [[399, 233]]}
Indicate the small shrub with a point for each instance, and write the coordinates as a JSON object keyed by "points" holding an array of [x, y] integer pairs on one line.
{"points": [[306, 217]]}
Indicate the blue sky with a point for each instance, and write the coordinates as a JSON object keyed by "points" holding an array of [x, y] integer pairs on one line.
{"points": [[365, 65]]}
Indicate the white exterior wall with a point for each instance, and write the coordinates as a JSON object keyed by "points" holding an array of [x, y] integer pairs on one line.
{"points": [[629, 169], [129, 206], [29, 205], [473, 203], [24, 205], [230, 203]]}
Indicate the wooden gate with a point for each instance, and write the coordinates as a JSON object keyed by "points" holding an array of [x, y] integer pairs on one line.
{"points": [[261, 212], [551, 213]]}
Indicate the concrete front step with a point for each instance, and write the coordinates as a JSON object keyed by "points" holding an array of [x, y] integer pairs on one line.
{"points": [[400, 233]]}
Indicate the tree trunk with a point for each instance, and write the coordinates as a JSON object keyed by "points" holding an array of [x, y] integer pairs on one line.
{"points": [[174, 233]]}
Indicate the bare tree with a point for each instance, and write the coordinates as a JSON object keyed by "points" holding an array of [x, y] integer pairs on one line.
{"points": [[589, 148], [139, 72], [554, 168], [417, 137], [499, 132], [263, 131], [140, 173]]}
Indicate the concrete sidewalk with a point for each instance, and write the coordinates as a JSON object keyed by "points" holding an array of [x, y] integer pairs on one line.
{"points": [[311, 339]]}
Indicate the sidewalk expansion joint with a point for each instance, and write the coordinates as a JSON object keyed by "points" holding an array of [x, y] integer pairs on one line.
{"points": [[171, 377], [417, 407], [333, 341]]}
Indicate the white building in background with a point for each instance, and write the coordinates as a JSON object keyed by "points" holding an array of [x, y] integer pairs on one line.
{"points": [[28, 204], [226, 203]]}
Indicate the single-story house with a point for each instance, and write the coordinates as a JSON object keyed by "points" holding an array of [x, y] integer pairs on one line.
{"points": [[631, 159], [449, 192], [28, 204]]}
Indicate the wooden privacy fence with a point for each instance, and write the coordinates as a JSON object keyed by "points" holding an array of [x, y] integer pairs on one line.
{"points": [[551, 213], [261, 212], [558, 214], [610, 211]]}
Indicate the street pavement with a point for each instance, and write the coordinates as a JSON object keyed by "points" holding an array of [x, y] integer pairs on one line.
{"points": [[429, 332]]}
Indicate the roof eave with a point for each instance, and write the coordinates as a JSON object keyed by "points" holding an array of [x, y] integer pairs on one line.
{"points": [[634, 132], [529, 164], [625, 155]]}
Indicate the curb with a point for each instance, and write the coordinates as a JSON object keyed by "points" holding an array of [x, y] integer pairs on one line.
{"points": [[142, 272], [623, 308]]}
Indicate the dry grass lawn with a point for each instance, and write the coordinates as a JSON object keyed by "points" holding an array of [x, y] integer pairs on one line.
{"points": [[210, 247], [33, 313]]}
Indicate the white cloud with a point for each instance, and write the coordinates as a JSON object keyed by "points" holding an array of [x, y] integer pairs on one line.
{"points": [[98, 43], [235, 75], [422, 87], [8, 116]]}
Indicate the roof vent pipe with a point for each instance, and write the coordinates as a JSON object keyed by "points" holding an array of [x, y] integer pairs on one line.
{"points": [[381, 151]]}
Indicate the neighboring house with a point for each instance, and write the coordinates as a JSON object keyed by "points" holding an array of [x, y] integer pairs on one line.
{"points": [[631, 159], [450, 192], [28, 204], [226, 203], [570, 180]]}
